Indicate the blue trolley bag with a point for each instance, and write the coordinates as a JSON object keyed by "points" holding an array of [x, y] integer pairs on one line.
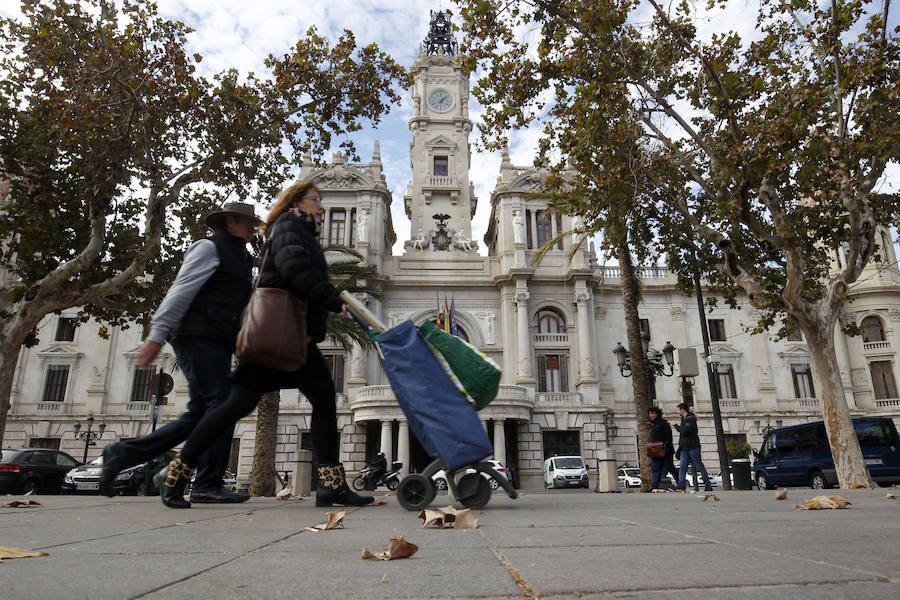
{"points": [[444, 422]]}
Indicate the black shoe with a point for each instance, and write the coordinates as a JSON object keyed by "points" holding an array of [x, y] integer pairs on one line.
{"points": [[112, 466], [178, 476], [219, 495], [709, 489], [333, 488]]}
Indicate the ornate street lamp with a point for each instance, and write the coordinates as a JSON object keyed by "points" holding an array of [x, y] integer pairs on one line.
{"points": [[609, 425], [764, 429], [89, 436], [654, 359]]}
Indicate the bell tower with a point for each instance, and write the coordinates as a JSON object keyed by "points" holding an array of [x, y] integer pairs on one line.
{"points": [[440, 200]]}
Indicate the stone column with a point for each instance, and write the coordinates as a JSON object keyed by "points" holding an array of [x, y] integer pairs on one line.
{"points": [[387, 441], [523, 334], [500, 441], [582, 299], [403, 447]]}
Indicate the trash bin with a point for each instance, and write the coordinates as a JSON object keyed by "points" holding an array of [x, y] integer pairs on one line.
{"points": [[740, 474]]}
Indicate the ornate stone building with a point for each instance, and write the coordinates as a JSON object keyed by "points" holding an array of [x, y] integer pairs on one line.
{"points": [[551, 327]]}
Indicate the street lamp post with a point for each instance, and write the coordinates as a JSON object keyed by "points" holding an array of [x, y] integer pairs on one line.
{"points": [[764, 429], [89, 436]]}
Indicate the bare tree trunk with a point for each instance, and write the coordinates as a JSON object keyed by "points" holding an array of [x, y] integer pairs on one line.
{"points": [[848, 459], [263, 474], [9, 356], [631, 297]]}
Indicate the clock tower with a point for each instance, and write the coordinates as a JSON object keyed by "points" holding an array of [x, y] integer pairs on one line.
{"points": [[440, 201]]}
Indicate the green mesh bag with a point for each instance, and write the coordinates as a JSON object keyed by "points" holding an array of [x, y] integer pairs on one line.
{"points": [[478, 375]]}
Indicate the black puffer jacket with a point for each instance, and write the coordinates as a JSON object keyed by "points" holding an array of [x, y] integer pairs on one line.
{"points": [[690, 437], [661, 431], [296, 263]]}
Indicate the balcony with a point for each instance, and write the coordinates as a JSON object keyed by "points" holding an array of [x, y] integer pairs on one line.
{"points": [[807, 403], [559, 399], [555, 340], [731, 405], [876, 346], [137, 409], [614, 272], [52, 408], [440, 181], [888, 403]]}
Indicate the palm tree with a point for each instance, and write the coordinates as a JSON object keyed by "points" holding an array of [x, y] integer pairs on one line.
{"points": [[348, 271]]}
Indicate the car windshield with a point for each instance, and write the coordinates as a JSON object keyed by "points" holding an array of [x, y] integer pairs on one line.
{"points": [[97, 461], [633, 472], [7, 455], [568, 463]]}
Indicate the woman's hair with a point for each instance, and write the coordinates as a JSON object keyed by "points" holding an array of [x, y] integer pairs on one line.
{"points": [[656, 411], [285, 199]]}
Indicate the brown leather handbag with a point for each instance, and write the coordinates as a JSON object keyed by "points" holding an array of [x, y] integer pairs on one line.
{"points": [[655, 449], [273, 329]]}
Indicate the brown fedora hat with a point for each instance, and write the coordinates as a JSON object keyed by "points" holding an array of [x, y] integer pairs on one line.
{"points": [[237, 209]]}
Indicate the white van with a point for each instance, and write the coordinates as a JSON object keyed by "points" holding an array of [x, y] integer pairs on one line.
{"points": [[565, 471]]}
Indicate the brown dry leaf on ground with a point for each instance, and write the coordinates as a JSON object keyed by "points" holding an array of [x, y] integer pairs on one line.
{"points": [[379, 503], [857, 486], [21, 503], [443, 518], [781, 495], [436, 518], [660, 491], [284, 494], [397, 548], [821, 502], [7, 552], [706, 497], [335, 519], [385, 577]]}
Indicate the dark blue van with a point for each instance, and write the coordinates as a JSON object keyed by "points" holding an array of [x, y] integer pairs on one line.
{"points": [[800, 455]]}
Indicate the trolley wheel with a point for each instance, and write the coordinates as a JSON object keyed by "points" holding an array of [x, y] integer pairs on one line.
{"points": [[415, 492], [474, 491], [359, 483], [392, 483]]}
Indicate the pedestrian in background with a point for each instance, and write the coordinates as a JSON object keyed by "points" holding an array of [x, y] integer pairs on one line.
{"points": [[661, 431], [295, 262], [200, 316], [689, 448]]}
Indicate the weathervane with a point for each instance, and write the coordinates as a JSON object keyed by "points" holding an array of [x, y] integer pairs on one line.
{"points": [[440, 36]]}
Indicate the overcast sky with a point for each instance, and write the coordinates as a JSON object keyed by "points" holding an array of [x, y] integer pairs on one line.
{"points": [[241, 33]]}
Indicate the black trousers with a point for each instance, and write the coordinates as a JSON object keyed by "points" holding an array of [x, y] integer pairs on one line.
{"points": [[250, 382], [205, 364]]}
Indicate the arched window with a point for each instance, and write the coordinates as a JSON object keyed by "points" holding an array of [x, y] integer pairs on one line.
{"points": [[550, 320], [873, 330], [460, 332]]}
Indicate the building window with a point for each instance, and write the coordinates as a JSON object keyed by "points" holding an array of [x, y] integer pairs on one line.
{"points": [[552, 373], [561, 443], [335, 364], [337, 227], [529, 241], [48, 443], [234, 455], [352, 226], [873, 329], [140, 385], [725, 380], [441, 166], [65, 329], [644, 325], [803, 381], [542, 227], [559, 243], [883, 379], [717, 330], [549, 320], [55, 386]]}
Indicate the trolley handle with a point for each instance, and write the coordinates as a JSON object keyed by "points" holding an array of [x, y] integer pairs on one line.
{"points": [[361, 313]]}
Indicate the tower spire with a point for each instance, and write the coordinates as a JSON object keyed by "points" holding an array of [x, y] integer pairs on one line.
{"points": [[440, 38]]}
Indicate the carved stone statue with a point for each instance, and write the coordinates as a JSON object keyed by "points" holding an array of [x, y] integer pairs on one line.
{"points": [[420, 242], [362, 226], [518, 227], [460, 241]]}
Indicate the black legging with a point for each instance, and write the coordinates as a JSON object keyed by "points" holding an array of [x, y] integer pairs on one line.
{"points": [[250, 382]]}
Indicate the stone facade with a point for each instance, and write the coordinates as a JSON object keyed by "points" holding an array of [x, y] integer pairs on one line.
{"points": [[551, 327]]}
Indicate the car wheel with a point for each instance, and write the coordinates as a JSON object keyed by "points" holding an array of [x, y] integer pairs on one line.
{"points": [[492, 483], [440, 483], [817, 481], [30, 486], [763, 483]]}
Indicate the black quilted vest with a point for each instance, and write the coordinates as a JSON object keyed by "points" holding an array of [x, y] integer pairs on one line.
{"points": [[216, 311]]}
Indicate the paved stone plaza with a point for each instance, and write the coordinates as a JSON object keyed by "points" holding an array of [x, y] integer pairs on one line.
{"points": [[560, 545]]}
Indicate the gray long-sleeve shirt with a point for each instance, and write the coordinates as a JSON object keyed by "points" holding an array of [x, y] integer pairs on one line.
{"points": [[200, 261]]}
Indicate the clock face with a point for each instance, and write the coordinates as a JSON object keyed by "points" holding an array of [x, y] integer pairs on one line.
{"points": [[440, 100]]}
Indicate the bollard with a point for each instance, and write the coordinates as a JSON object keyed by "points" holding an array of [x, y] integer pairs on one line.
{"points": [[300, 480], [607, 480]]}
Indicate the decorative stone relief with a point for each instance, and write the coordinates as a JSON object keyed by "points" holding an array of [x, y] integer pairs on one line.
{"points": [[894, 314], [521, 297], [586, 366], [486, 320], [525, 366], [678, 313], [600, 312], [362, 226], [581, 296], [395, 318], [518, 227], [357, 365]]}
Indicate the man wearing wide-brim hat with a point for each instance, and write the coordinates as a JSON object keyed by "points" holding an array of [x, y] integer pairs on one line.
{"points": [[200, 316]]}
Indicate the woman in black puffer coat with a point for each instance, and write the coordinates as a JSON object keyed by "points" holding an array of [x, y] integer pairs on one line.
{"points": [[295, 262]]}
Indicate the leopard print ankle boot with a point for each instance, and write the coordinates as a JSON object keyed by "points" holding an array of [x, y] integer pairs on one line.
{"points": [[178, 475], [333, 488]]}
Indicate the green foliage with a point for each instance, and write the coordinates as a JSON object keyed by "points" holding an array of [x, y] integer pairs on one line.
{"points": [[736, 449], [351, 274], [115, 146]]}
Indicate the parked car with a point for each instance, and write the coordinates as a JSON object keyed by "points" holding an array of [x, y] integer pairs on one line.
{"points": [[800, 454], [630, 477], [565, 471], [37, 470], [130, 481], [84, 478], [715, 479], [440, 478]]}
